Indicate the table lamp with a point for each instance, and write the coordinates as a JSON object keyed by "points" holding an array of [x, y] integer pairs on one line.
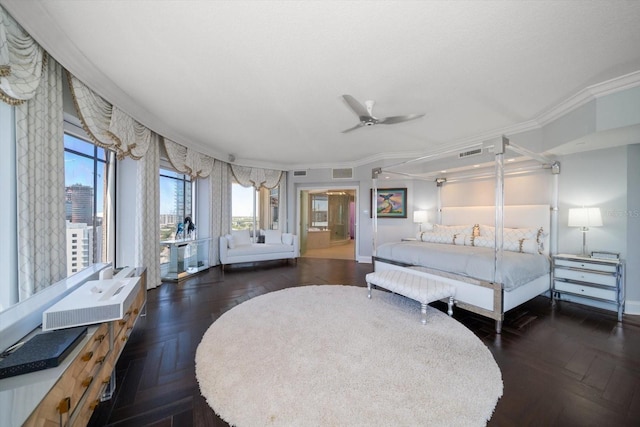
{"points": [[585, 218]]}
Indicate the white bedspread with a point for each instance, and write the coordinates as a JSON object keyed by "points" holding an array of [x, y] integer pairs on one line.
{"points": [[469, 261]]}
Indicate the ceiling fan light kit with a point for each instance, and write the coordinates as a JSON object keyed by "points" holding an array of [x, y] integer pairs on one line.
{"points": [[365, 114]]}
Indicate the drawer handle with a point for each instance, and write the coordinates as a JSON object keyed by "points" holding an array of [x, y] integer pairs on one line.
{"points": [[94, 404], [100, 337], [64, 405], [87, 382], [87, 356]]}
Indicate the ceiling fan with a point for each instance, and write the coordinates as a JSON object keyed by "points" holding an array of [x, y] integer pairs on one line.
{"points": [[368, 119]]}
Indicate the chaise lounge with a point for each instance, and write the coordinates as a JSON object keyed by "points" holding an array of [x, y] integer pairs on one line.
{"points": [[237, 247]]}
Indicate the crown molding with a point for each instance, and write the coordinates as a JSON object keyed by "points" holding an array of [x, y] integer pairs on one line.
{"points": [[589, 94]]}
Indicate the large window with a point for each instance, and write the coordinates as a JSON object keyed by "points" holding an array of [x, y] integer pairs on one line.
{"points": [[176, 203], [85, 184]]}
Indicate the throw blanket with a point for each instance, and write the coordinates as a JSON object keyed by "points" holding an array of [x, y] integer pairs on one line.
{"points": [[470, 261]]}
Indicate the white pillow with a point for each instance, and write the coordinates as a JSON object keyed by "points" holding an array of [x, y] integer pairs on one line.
{"points": [[272, 236], [434, 237], [287, 238], [231, 242], [453, 229], [241, 237]]}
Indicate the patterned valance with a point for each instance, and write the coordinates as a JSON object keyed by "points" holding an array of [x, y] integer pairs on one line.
{"points": [[107, 125], [256, 177], [21, 62], [188, 161]]}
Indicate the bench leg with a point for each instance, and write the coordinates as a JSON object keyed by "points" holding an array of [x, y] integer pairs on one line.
{"points": [[423, 310], [450, 310], [369, 290]]}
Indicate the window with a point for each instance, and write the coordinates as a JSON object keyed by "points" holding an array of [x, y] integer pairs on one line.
{"points": [[85, 167], [249, 205], [176, 203]]}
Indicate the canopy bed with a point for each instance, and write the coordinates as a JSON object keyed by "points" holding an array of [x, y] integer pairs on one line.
{"points": [[497, 257]]}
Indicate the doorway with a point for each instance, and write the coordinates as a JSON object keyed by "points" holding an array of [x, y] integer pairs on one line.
{"points": [[327, 223]]}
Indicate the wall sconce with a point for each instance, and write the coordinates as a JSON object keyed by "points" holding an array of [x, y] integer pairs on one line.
{"points": [[420, 217], [585, 218]]}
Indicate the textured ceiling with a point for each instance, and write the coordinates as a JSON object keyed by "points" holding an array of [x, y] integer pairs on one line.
{"points": [[263, 80]]}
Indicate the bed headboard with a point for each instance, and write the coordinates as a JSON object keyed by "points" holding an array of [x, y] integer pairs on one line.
{"points": [[515, 216]]}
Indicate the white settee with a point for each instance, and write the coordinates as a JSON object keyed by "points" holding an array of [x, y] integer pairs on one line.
{"points": [[237, 247]]}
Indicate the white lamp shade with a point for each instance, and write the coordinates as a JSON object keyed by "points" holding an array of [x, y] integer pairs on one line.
{"points": [[585, 217], [420, 217]]}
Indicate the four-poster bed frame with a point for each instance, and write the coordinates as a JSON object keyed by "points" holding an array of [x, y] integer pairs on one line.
{"points": [[488, 297]]}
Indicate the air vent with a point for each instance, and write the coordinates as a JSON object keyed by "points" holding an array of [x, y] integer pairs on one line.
{"points": [[299, 173], [342, 173], [469, 153]]}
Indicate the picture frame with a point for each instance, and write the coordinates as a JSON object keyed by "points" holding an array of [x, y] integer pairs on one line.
{"points": [[389, 203]]}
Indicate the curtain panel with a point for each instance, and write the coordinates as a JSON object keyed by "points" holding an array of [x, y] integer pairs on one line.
{"points": [[219, 206], [40, 185], [107, 125], [188, 161], [256, 177], [22, 61], [147, 219]]}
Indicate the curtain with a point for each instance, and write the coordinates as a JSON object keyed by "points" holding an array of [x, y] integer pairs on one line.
{"points": [[219, 206], [108, 220], [188, 161], [107, 125], [256, 177], [147, 225], [21, 62], [40, 185], [283, 218]]}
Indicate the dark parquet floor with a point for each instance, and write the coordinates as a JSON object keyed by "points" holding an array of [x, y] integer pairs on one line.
{"points": [[569, 366]]}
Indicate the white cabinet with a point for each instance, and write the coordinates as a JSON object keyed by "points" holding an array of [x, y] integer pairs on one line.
{"points": [[591, 278]]}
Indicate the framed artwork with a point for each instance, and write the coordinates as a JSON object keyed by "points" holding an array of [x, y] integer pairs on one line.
{"points": [[390, 203]]}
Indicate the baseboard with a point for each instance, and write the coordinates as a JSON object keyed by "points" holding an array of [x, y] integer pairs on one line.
{"points": [[632, 307], [365, 259]]}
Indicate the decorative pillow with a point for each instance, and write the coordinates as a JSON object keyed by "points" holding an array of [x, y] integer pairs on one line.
{"points": [[231, 242], [272, 236], [529, 246], [484, 241], [476, 230], [452, 229], [463, 240], [287, 238], [241, 237], [434, 237], [513, 233]]}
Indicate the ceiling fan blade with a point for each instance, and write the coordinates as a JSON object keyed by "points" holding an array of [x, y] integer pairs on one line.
{"points": [[359, 125], [399, 119], [357, 107]]}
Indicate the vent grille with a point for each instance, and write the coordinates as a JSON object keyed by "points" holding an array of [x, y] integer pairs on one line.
{"points": [[342, 173], [469, 153], [299, 173]]}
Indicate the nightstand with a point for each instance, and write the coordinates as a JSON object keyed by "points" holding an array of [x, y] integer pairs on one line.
{"points": [[591, 278]]}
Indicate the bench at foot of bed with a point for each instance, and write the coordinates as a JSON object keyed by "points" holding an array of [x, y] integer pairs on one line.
{"points": [[419, 288]]}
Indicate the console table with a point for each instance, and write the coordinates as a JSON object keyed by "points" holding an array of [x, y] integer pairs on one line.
{"points": [[68, 394]]}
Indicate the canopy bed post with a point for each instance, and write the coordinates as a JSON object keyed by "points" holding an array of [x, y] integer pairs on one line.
{"points": [[499, 149], [553, 237], [374, 212]]}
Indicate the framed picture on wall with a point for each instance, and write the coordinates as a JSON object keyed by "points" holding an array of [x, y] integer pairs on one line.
{"points": [[390, 203]]}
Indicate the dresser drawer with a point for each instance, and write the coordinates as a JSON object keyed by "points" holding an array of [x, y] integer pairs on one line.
{"points": [[586, 276], [605, 268], [587, 291]]}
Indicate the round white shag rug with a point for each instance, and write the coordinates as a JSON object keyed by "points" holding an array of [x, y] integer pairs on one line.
{"points": [[329, 356]]}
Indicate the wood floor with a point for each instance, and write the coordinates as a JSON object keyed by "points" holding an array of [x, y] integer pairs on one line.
{"points": [[572, 366]]}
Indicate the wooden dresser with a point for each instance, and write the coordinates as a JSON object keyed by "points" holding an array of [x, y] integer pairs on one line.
{"points": [[86, 377]]}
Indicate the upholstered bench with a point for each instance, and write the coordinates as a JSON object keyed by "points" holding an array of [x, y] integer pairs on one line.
{"points": [[419, 288]]}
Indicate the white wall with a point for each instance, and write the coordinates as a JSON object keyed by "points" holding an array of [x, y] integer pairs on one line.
{"points": [[633, 229], [125, 213]]}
